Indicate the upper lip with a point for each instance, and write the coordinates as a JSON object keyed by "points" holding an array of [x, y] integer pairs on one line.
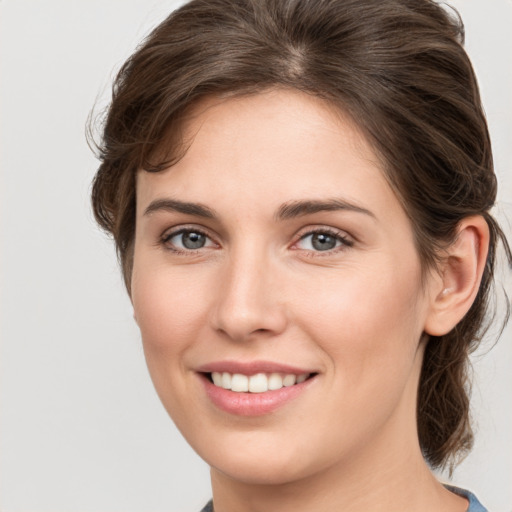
{"points": [[251, 367]]}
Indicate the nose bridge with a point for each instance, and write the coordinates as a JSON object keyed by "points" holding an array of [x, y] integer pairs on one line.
{"points": [[248, 299]]}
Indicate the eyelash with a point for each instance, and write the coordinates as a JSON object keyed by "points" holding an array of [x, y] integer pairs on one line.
{"points": [[345, 242]]}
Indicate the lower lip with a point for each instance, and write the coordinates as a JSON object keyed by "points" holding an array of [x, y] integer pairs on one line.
{"points": [[253, 404]]}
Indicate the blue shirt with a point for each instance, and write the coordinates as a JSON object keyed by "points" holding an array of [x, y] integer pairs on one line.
{"points": [[474, 504]]}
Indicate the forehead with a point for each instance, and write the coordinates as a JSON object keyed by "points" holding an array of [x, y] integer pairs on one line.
{"points": [[273, 146], [289, 114]]}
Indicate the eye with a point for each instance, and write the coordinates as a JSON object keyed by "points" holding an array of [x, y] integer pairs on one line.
{"points": [[323, 241], [185, 240]]}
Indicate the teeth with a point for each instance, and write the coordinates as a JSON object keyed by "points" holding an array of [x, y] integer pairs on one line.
{"points": [[275, 381], [289, 380], [226, 380], [259, 383], [239, 382], [217, 379]]}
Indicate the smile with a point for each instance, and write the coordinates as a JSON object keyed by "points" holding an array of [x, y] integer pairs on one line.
{"points": [[258, 383], [254, 388]]}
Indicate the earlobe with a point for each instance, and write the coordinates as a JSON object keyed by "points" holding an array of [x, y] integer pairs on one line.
{"points": [[461, 273]]}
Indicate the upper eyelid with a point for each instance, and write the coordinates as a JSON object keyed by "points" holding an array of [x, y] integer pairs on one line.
{"points": [[301, 232], [176, 230], [320, 229], [324, 229]]}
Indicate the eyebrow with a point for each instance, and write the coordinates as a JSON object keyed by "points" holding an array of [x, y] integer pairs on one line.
{"points": [[173, 205], [307, 207], [286, 211]]}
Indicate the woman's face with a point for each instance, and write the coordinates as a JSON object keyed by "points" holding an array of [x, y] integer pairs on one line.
{"points": [[275, 249]]}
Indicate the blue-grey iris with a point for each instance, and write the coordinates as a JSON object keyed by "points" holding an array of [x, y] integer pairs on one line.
{"points": [[323, 241], [193, 240]]}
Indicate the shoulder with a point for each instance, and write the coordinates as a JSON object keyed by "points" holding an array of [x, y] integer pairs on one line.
{"points": [[209, 507]]}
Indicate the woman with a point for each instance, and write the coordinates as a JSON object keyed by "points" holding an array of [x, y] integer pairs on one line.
{"points": [[300, 194]]}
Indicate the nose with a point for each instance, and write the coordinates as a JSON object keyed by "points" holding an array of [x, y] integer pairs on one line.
{"points": [[248, 301]]}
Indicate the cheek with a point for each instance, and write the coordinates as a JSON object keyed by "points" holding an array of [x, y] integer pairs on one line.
{"points": [[368, 327], [171, 316], [368, 322], [167, 305]]}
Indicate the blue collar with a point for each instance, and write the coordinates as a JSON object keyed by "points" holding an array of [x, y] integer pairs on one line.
{"points": [[474, 504]]}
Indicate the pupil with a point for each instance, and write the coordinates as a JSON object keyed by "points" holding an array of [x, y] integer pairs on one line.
{"points": [[193, 240], [323, 242]]}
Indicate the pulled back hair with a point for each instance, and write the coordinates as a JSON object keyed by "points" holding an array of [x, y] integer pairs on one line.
{"points": [[397, 67]]}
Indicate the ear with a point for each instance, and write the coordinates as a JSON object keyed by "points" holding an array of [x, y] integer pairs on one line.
{"points": [[460, 275]]}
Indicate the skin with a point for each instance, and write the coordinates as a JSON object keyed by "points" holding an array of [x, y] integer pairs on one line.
{"points": [[259, 290]]}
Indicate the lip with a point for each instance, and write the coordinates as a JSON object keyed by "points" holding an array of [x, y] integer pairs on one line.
{"points": [[252, 404], [252, 367]]}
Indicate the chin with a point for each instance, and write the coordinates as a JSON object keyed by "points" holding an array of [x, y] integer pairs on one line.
{"points": [[259, 472], [260, 461]]}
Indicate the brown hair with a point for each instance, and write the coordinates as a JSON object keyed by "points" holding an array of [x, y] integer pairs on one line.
{"points": [[397, 67]]}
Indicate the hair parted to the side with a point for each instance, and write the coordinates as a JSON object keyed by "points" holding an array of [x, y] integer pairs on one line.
{"points": [[397, 67]]}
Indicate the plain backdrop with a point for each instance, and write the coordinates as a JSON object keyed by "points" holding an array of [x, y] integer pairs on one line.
{"points": [[81, 427]]}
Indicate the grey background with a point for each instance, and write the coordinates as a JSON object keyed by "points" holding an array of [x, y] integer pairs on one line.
{"points": [[81, 428]]}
